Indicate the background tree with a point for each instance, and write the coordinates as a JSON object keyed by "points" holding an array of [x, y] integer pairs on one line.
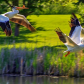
{"points": [[43, 7], [81, 11], [80, 1]]}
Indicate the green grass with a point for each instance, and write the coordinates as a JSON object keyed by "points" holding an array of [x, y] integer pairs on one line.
{"points": [[44, 36]]}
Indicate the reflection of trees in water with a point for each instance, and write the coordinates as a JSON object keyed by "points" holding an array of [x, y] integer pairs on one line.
{"points": [[40, 80]]}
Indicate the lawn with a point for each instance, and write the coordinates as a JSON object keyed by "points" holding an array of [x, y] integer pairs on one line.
{"points": [[44, 36]]}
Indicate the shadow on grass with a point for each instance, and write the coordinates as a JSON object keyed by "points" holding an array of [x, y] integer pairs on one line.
{"points": [[40, 29], [23, 34], [63, 46], [20, 39], [58, 50]]}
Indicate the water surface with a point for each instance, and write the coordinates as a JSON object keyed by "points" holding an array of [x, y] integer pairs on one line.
{"points": [[40, 80]]}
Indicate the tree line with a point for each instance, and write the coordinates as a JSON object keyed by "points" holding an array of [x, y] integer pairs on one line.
{"points": [[40, 7]]}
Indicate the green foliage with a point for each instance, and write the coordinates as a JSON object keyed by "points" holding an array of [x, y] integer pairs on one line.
{"points": [[34, 59], [81, 1], [28, 58], [57, 8], [65, 65], [32, 5], [81, 13], [47, 61], [3, 7], [44, 6]]}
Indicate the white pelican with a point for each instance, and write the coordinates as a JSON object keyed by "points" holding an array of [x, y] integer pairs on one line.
{"points": [[14, 17], [75, 40]]}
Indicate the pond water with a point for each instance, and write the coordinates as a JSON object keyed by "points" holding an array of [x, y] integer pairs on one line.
{"points": [[40, 80]]}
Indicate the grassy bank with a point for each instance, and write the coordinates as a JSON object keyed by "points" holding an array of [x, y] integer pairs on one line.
{"points": [[40, 52], [41, 61]]}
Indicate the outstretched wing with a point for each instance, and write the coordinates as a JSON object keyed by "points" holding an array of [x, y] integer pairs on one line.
{"points": [[20, 19], [65, 39]]}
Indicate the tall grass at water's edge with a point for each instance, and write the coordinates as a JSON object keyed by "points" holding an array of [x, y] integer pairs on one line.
{"points": [[41, 61]]}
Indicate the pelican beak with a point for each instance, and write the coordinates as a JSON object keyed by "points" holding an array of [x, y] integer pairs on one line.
{"points": [[67, 54], [18, 8]]}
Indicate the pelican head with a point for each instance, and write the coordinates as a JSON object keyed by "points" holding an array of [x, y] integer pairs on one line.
{"points": [[18, 8], [72, 22]]}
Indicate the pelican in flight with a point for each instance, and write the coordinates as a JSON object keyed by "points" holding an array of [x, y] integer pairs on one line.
{"points": [[75, 40], [16, 18]]}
